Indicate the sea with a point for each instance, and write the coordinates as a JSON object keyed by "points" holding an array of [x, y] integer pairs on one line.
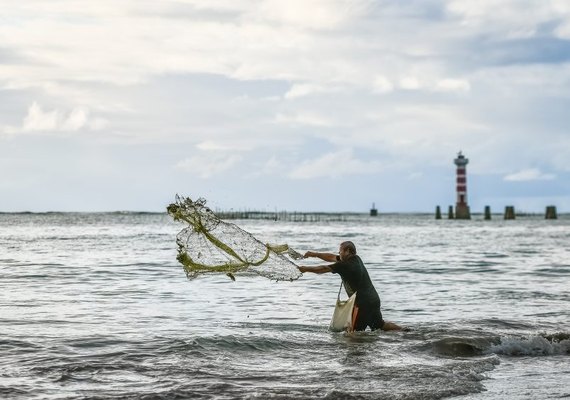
{"points": [[96, 306]]}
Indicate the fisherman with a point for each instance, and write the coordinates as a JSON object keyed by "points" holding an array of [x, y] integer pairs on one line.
{"points": [[349, 266]]}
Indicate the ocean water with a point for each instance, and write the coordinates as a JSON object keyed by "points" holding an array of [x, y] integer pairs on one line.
{"points": [[95, 306]]}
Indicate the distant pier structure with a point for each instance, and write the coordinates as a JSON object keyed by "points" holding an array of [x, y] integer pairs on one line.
{"points": [[461, 207]]}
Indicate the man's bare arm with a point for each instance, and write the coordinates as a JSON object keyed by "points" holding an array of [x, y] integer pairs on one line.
{"points": [[317, 269], [323, 256]]}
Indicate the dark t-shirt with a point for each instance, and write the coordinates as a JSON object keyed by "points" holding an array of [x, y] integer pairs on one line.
{"points": [[356, 279]]}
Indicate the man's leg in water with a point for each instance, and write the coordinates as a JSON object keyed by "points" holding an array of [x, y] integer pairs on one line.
{"points": [[375, 318], [387, 325], [372, 316], [390, 326]]}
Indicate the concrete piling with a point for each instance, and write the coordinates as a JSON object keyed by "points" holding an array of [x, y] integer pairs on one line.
{"points": [[509, 212], [450, 213], [437, 212], [487, 213], [462, 211], [551, 213]]}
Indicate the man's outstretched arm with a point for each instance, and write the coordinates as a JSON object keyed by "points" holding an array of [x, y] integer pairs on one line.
{"points": [[317, 269], [323, 256]]}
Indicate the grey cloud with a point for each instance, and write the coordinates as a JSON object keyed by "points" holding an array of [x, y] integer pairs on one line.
{"points": [[491, 52], [428, 10]]}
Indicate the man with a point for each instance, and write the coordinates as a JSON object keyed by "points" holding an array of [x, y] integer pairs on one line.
{"points": [[356, 279]]}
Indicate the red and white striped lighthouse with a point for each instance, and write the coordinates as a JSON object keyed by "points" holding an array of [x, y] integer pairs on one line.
{"points": [[461, 207]]}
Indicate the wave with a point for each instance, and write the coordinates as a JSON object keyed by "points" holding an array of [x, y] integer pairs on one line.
{"points": [[531, 345], [462, 347], [557, 270], [524, 294], [535, 345], [233, 343], [12, 392]]}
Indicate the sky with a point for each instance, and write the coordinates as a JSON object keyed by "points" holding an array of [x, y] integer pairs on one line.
{"points": [[299, 105]]}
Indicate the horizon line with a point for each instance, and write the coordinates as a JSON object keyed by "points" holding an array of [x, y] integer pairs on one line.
{"points": [[232, 211]]}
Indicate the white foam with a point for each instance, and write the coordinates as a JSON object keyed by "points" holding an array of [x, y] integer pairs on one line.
{"points": [[530, 346]]}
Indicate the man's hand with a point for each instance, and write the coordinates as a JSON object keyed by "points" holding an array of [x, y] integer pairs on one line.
{"points": [[310, 254]]}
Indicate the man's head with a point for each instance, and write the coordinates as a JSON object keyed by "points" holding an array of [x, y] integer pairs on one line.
{"points": [[347, 249]]}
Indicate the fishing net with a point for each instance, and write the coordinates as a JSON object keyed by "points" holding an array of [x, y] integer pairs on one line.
{"points": [[210, 245]]}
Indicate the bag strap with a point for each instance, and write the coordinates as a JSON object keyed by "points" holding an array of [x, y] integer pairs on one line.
{"points": [[339, 289]]}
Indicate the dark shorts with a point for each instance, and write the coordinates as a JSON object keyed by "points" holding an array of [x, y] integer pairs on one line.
{"points": [[368, 315]]}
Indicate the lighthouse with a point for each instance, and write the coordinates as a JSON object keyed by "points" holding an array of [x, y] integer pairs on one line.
{"points": [[461, 207]]}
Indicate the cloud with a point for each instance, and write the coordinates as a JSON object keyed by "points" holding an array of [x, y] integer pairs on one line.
{"points": [[207, 167], [38, 120], [212, 160], [531, 174], [306, 89], [431, 84], [563, 31], [335, 165], [315, 14], [374, 47], [272, 166], [381, 84], [410, 83], [509, 18], [221, 146], [304, 118], [265, 41], [453, 85]]}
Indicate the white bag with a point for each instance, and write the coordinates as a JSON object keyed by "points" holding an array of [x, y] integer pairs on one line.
{"points": [[342, 316]]}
